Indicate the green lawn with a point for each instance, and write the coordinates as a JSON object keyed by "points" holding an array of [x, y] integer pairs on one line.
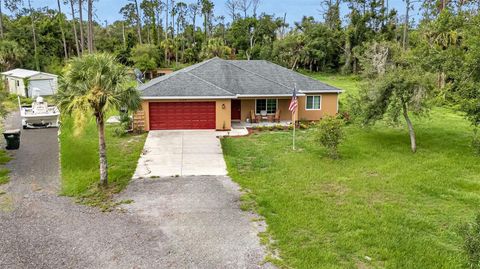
{"points": [[4, 158], [402, 210], [79, 160], [348, 83]]}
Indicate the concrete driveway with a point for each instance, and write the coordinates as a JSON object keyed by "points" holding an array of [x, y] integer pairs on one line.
{"points": [[181, 153]]}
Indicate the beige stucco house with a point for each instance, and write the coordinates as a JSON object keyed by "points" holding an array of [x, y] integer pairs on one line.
{"points": [[30, 83], [217, 92]]}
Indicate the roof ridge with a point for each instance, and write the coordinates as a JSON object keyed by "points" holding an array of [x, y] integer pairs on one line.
{"points": [[197, 65], [258, 75], [188, 73]]}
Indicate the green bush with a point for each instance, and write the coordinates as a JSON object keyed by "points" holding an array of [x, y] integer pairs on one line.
{"points": [[471, 245], [330, 134], [304, 125], [279, 127], [23, 100], [125, 125]]}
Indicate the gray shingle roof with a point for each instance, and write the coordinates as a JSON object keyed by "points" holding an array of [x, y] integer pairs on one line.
{"points": [[223, 78]]}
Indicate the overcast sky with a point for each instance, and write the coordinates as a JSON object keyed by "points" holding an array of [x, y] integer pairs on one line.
{"points": [[109, 9]]}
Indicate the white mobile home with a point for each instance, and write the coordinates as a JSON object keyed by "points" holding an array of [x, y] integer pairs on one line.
{"points": [[30, 83]]}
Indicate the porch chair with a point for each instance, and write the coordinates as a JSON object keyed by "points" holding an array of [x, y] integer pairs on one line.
{"points": [[255, 118], [264, 115], [277, 116]]}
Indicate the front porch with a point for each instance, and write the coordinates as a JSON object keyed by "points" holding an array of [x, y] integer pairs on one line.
{"points": [[243, 124], [240, 128], [260, 111]]}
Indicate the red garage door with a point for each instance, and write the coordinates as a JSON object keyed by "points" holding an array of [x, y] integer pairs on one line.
{"points": [[182, 115]]}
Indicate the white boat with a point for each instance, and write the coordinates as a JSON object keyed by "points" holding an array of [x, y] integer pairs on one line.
{"points": [[40, 114]]}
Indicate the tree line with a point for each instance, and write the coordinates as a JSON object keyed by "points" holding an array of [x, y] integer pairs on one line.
{"points": [[175, 32]]}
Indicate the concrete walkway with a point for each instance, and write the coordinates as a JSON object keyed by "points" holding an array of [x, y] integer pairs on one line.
{"points": [[181, 153]]}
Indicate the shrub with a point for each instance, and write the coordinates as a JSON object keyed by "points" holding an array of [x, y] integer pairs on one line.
{"points": [[303, 126], [471, 245], [345, 116], [279, 127], [124, 126], [330, 134], [23, 100]]}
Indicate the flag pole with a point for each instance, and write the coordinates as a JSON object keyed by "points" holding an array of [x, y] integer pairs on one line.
{"points": [[293, 108], [294, 127]]}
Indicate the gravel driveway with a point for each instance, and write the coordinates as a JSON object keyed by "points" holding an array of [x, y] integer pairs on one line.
{"points": [[170, 224]]}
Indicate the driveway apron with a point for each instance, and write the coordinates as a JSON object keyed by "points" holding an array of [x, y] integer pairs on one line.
{"points": [[181, 153]]}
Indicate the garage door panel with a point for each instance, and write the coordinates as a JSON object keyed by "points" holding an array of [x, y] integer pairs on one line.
{"points": [[182, 115]]}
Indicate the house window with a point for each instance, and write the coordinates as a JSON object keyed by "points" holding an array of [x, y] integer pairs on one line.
{"points": [[18, 83], [270, 105], [313, 102]]}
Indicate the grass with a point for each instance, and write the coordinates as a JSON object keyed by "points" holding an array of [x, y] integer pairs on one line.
{"points": [[9, 104], [80, 165], [4, 158], [379, 206], [348, 83]]}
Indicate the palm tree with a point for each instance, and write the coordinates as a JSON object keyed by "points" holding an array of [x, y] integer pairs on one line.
{"points": [[93, 85]]}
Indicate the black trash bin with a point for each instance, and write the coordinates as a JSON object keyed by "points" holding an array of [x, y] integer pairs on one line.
{"points": [[13, 138]]}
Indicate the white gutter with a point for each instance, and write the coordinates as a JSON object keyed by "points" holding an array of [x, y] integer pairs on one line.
{"points": [[323, 91], [266, 95], [302, 93]]}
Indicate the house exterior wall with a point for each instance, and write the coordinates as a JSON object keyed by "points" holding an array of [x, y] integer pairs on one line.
{"points": [[329, 106], [223, 112]]}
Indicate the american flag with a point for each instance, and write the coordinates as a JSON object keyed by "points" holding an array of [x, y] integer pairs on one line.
{"points": [[294, 103]]}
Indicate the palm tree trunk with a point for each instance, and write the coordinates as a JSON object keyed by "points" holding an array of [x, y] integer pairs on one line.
{"points": [[205, 25], [405, 25], [80, 14], [139, 24], [194, 22], [166, 19], [65, 51], [90, 26], [124, 36], [35, 49], [74, 28], [102, 151], [1, 20], [413, 139]]}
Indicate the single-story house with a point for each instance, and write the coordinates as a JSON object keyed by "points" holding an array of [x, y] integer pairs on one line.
{"points": [[30, 83], [214, 93]]}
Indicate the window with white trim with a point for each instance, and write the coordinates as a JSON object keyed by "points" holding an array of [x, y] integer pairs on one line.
{"points": [[314, 102], [269, 105]]}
